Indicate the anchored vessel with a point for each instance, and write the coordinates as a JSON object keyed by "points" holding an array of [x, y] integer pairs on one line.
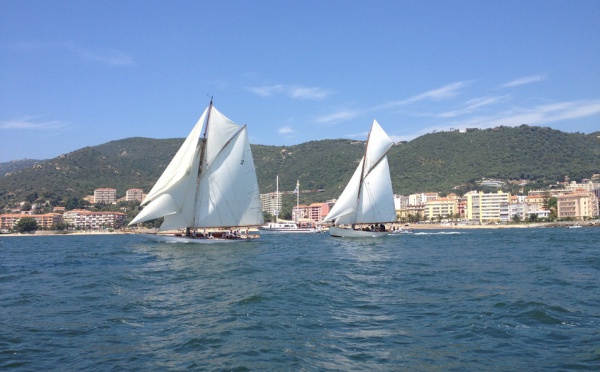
{"points": [[209, 184]]}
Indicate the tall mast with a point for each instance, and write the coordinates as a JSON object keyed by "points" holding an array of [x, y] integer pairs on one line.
{"points": [[277, 199], [297, 200], [202, 153], [362, 171], [203, 139]]}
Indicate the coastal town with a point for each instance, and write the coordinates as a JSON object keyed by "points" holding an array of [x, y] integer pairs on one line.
{"points": [[566, 201]]}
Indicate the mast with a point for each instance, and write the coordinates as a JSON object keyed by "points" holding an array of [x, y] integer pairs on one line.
{"points": [[202, 155], [362, 171], [277, 199], [203, 139]]}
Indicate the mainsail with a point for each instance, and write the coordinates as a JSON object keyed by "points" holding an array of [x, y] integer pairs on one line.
{"points": [[211, 181], [368, 197]]}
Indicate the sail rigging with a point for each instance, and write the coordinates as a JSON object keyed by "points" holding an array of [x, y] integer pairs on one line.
{"points": [[211, 181], [368, 197]]}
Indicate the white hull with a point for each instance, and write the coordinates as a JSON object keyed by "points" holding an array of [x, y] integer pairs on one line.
{"points": [[340, 232], [185, 239], [287, 227], [299, 230]]}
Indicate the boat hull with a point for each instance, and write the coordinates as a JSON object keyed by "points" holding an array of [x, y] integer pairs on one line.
{"points": [[160, 238], [340, 232], [268, 230]]}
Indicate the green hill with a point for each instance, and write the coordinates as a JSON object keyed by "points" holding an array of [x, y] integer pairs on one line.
{"points": [[433, 162]]}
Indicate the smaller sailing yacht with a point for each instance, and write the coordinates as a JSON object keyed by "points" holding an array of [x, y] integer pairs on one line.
{"points": [[210, 189], [367, 202]]}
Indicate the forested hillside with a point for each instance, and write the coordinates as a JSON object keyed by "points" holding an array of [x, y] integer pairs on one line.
{"points": [[433, 162]]}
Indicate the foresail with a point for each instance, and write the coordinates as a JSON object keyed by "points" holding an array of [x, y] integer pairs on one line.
{"points": [[175, 190], [181, 165], [344, 210], [228, 192]]}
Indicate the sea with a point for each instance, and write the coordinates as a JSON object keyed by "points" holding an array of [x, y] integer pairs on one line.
{"points": [[456, 300]]}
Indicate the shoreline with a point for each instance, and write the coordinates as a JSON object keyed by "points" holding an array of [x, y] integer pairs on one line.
{"points": [[420, 226]]}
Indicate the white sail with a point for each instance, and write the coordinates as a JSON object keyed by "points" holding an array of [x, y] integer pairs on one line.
{"points": [[228, 194], [368, 197], [220, 192]]}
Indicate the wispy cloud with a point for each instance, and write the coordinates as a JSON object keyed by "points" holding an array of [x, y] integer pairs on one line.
{"points": [[292, 91], [538, 115], [107, 56], [523, 81], [111, 57], [31, 123], [285, 130], [338, 116], [439, 94], [471, 106]]}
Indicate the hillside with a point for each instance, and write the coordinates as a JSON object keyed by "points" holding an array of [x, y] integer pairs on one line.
{"points": [[433, 162]]}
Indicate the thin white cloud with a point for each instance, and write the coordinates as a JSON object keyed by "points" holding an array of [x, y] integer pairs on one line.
{"points": [[107, 56], [285, 130], [111, 57], [538, 115], [439, 94], [445, 92], [523, 81], [471, 106], [30, 123], [338, 116], [292, 91]]}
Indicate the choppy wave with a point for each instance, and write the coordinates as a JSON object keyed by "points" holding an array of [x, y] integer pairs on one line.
{"points": [[482, 300]]}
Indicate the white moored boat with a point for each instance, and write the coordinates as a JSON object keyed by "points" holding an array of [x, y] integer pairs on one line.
{"points": [[288, 227], [209, 184], [367, 202]]}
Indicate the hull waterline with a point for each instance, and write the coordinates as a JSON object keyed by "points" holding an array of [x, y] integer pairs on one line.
{"points": [[189, 240], [340, 232]]}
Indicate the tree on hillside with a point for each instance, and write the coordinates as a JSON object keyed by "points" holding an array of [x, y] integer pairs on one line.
{"points": [[26, 225]]}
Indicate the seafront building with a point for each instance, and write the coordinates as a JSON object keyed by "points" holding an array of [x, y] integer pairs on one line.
{"points": [[44, 221], [577, 205], [488, 208], [440, 209], [82, 219]]}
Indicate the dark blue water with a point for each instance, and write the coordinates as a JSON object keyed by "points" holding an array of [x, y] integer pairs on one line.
{"points": [[493, 300]]}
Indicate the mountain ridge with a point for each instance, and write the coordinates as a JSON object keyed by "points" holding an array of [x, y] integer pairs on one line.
{"points": [[437, 161]]}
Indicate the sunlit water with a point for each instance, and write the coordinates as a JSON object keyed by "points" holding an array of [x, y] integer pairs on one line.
{"points": [[493, 300]]}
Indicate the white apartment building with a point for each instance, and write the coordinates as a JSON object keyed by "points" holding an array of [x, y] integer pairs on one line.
{"points": [[488, 208], [83, 219], [271, 202]]}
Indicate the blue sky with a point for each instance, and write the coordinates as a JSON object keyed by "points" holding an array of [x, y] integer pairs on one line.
{"points": [[83, 73]]}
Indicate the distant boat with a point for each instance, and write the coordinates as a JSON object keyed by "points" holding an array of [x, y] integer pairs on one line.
{"points": [[210, 184], [367, 202], [288, 226], [574, 227]]}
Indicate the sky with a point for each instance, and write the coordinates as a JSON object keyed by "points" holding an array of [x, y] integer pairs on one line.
{"points": [[83, 73]]}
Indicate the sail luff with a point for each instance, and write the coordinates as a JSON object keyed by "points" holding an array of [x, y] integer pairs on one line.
{"points": [[174, 190]]}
